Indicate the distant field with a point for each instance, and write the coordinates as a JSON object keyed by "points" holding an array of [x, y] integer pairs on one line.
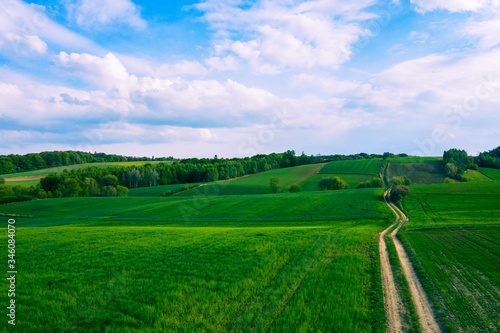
{"points": [[371, 166], [257, 183], [492, 173], [154, 191], [416, 159], [418, 173], [459, 248], [474, 176], [353, 180], [442, 205]]}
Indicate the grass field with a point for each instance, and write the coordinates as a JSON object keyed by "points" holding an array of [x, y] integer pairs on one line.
{"points": [[492, 173], [134, 264], [155, 191], [353, 180], [370, 167], [454, 230], [257, 183], [416, 159], [474, 176], [418, 173]]}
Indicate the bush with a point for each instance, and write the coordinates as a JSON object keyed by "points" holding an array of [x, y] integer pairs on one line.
{"points": [[121, 191], [295, 188], [2, 180], [109, 180], [274, 183], [109, 191], [449, 180], [330, 184], [398, 192], [400, 180]]}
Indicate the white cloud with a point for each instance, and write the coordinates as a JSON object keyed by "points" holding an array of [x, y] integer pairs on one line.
{"points": [[423, 6], [23, 44], [182, 68], [88, 13], [280, 35], [228, 63]]}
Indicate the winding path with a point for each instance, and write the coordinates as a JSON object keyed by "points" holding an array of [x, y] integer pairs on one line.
{"points": [[428, 322]]}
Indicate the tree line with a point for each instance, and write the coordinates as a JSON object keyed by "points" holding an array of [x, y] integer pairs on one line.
{"points": [[457, 161], [49, 159]]}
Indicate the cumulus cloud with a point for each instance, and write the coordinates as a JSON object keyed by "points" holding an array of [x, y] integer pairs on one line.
{"points": [[423, 6], [280, 35], [88, 13]]}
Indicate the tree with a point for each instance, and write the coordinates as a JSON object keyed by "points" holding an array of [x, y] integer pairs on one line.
{"points": [[295, 188], [121, 191], [109, 191], [274, 183], [109, 180], [70, 188], [2, 181], [398, 192], [334, 183], [450, 170]]}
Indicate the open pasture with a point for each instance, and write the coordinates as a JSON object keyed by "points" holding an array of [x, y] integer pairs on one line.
{"points": [[418, 173], [370, 167], [257, 183], [353, 180], [491, 173], [474, 176], [416, 159]]}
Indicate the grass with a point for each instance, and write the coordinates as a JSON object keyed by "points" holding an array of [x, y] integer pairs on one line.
{"points": [[370, 167], [418, 173], [155, 191], [276, 262], [25, 183], [257, 183], [492, 173], [353, 180], [474, 176], [416, 159]]}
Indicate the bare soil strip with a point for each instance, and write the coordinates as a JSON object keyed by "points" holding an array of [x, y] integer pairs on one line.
{"points": [[392, 299], [15, 179], [420, 299]]}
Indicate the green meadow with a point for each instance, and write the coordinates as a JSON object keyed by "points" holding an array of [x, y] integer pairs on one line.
{"points": [[491, 173], [368, 166]]}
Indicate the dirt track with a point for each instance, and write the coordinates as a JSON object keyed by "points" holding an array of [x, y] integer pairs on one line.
{"points": [[24, 178], [428, 322]]}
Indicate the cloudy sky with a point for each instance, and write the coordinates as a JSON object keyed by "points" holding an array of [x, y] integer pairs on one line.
{"points": [[238, 77]]}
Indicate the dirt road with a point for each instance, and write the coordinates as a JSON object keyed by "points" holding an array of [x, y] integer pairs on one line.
{"points": [[427, 318]]}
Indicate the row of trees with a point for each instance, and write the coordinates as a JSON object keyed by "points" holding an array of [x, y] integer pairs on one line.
{"points": [[21, 163], [456, 161]]}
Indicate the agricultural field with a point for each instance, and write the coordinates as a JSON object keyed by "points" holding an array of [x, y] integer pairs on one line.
{"points": [[155, 191], [416, 159], [257, 183], [418, 173], [368, 167], [454, 231], [352, 180], [136, 264], [491, 173], [474, 176]]}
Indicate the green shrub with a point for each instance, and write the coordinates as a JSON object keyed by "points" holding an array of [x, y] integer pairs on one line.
{"points": [[295, 188]]}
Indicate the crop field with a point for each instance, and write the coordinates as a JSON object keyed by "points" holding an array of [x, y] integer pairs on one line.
{"points": [[474, 176], [155, 191], [492, 173], [370, 167], [454, 231], [443, 205], [416, 159], [418, 173], [462, 264], [257, 183], [353, 180], [136, 264]]}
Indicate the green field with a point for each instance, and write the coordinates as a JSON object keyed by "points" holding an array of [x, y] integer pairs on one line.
{"points": [[370, 167], [155, 191], [416, 159], [454, 230], [492, 173], [257, 183], [418, 173], [135, 265], [474, 176], [353, 180]]}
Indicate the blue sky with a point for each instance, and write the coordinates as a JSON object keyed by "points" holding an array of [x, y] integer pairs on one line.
{"points": [[237, 78]]}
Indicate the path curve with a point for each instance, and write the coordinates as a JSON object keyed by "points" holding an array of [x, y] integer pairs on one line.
{"points": [[423, 307]]}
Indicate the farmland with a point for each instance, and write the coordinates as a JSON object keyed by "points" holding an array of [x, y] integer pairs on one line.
{"points": [[454, 233], [418, 173], [492, 173], [370, 167], [352, 180], [474, 176], [235, 266]]}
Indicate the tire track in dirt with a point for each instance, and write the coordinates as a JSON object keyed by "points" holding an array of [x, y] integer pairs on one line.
{"points": [[423, 307], [392, 299]]}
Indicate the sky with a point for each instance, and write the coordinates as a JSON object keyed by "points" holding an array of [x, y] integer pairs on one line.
{"points": [[236, 78]]}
